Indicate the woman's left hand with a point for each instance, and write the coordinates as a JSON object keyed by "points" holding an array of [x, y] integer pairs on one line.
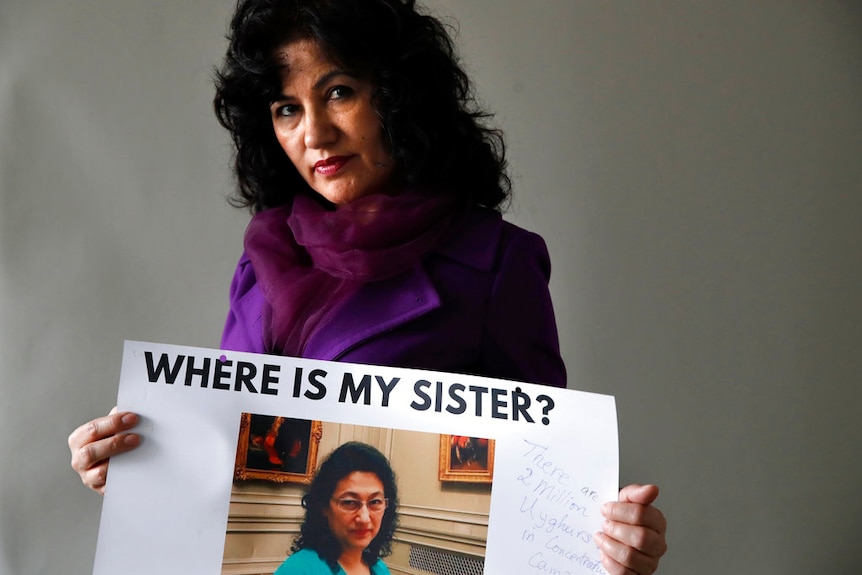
{"points": [[632, 539]]}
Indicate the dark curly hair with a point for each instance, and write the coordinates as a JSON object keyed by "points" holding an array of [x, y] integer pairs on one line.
{"points": [[315, 532], [430, 120]]}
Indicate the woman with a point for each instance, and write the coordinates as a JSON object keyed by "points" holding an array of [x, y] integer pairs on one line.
{"points": [[361, 105], [376, 235], [351, 512]]}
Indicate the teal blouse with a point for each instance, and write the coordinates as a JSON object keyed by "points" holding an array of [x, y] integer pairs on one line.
{"points": [[308, 562]]}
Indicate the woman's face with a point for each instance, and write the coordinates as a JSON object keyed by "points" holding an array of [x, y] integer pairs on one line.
{"points": [[356, 529], [326, 124]]}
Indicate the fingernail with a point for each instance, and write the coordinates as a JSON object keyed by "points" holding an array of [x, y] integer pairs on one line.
{"points": [[606, 508], [129, 419], [131, 440]]}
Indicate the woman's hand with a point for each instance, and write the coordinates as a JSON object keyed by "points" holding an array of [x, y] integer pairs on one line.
{"points": [[95, 442], [632, 539]]}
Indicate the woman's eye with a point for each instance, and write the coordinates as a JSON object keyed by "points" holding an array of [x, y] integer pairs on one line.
{"points": [[285, 110], [339, 92]]}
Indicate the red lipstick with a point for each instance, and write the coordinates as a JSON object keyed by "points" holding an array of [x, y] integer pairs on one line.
{"points": [[330, 165]]}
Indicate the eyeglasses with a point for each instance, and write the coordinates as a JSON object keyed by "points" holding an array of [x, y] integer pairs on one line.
{"points": [[348, 505]]}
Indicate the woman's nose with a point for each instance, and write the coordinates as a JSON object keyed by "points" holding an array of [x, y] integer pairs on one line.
{"points": [[364, 514], [319, 129]]}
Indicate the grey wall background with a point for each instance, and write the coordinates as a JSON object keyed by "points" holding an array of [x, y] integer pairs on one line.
{"points": [[694, 166]]}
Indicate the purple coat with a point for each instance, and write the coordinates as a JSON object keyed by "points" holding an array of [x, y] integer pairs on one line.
{"points": [[479, 304]]}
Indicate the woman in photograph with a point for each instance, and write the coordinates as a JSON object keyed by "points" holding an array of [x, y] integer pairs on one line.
{"points": [[351, 511], [376, 237]]}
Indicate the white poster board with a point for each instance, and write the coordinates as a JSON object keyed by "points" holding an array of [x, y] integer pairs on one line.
{"points": [[166, 507]]}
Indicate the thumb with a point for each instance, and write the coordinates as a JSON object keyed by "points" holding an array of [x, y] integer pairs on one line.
{"points": [[641, 494]]}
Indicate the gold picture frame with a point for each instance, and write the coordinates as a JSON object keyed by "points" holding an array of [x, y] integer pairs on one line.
{"points": [[466, 459], [277, 449]]}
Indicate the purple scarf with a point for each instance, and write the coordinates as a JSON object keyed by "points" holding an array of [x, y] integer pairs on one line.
{"points": [[309, 260]]}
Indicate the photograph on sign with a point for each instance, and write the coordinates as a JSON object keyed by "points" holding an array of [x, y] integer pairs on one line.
{"points": [[447, 521]]}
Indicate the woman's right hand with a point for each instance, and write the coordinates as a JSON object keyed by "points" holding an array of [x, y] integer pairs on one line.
{"points": [[95, 442]]}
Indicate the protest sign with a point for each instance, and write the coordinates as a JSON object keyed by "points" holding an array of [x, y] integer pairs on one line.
{"points": [[555, 453]]}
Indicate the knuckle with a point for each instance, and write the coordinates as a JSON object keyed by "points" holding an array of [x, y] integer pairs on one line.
{"points": [[636, 514], [95, 478], [641, 539], [79, 459], [92, 430], [624, 555], [662, 548], [88, 456]]}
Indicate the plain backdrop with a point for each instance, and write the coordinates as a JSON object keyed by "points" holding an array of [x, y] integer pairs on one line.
{"points": [[695, 167]]}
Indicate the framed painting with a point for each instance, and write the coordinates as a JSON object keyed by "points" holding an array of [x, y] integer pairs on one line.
{"points": [[466, 459], [277, 449]]}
